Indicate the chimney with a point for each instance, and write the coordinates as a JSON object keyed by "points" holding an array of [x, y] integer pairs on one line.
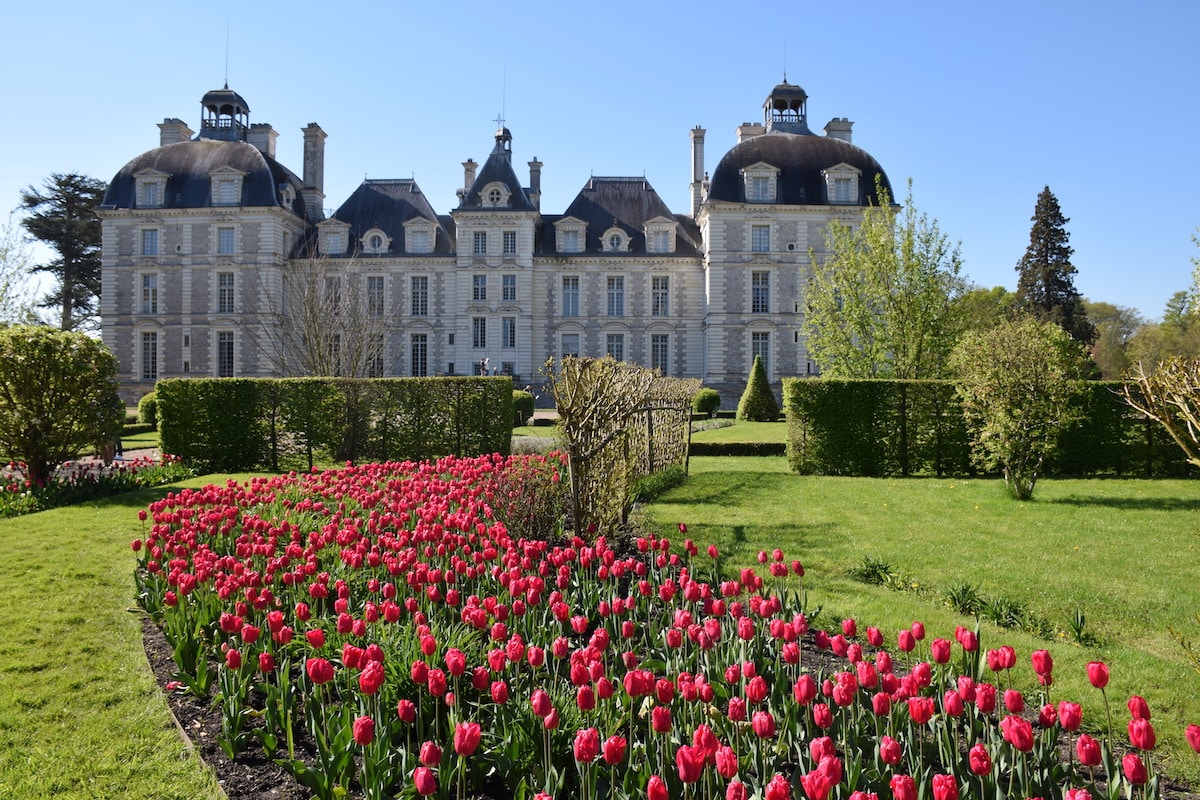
{"points": [[263, 137], [839, 128], [172, 130], [697, 134], [314, 171], [748, 130], [469, 166], [535, 183]]}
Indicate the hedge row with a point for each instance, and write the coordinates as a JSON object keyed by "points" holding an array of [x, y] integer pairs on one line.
{"points": [[236, 424], [884, 427]]}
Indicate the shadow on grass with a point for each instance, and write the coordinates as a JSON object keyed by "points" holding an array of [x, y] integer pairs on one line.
{"points": [[1130, 503], [726, 488]]}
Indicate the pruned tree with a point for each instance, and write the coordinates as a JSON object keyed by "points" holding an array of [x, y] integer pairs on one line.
{"points": [[758, 402], [1046, 276], [323, 320], [1170, 395], [58, 397], [882, 303], [1016, 382], [63, 216]]}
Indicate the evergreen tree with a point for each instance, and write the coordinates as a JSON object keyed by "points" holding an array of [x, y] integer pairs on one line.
{"points": [[1046, 282], [758, 402], [64, 217]]}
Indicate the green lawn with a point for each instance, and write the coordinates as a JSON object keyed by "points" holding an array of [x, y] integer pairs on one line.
{"points": [[1122, 551], [742, 431]]}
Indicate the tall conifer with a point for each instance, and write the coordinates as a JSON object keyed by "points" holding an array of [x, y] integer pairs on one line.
{"points": [[1046, 282]]}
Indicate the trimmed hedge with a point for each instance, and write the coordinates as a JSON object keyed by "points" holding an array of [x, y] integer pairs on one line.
{"points": [[134, 428], [239, 424], [890, 427]]}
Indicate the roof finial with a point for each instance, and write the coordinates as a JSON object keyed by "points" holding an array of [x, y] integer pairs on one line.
{"points": [[785, 58], [226, 53]]}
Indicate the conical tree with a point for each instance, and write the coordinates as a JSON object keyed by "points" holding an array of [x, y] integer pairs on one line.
{"points": [[1046, 282], [758, 401]]}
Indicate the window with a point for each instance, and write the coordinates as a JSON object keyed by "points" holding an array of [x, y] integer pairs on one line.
{"points": [[225, 287], [418, 242], [510, 243], [760, 345], [225, 354], [420, 296], [479, 288], [419, 355], [335, 243], [375, 356], [333, 294], [150, 242], [616, 296], [660, 351], [151, 194], [570, 242], [225, 241], [508, 290], [660, 296], [149, 293], [450, 341], [479, 332], [495, 196], [480, 243], [616, 242], [570, 345], [508, 332], [614, 345], [760, 293], [660, 242], [375, 295], [760, 238], [149, 356], [570, 296], [226, 192], [760, 188], [841, 190], [375, 242]]}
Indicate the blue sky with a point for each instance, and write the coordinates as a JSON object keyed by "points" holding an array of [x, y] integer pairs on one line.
{"points": [[980, 104]]}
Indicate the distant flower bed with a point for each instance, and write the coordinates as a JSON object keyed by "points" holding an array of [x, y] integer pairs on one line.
{"points": [[426, 630], [80, 481]]}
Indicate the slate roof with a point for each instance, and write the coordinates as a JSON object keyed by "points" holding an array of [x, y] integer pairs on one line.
{"points": [[498, 167], [189, 165], [800, 159], [630, 202], [387, 204]]}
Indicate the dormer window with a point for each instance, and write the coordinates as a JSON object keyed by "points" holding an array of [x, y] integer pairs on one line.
{"points": [[841, 184], [615, 240], [151, 188], [376, 242], [287, 195], [761, 183], [334, 236], [419, 235], [570, 233], [226, 186], [660, 235], [495, 195]]}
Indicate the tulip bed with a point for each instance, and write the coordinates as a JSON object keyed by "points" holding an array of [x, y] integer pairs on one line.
{"points": [[428, 629], [79, 481]]}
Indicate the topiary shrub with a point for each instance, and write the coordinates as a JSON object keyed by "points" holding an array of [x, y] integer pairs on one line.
{"points": [[148, 410], [522, 407], [706, 401], [758, 402]]}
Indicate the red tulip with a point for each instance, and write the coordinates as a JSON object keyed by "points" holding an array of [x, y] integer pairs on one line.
{"points": [[656, 789], [821, 747], [816, 786], [1097, 672], [980, 760], [920, 709], [727, 761], [660, 719], [364, 730], [315, 637], [406, 710], [763, 724], [1069, 715], [831, 768], [1047, 716], [689, 761], [903, 787], [540, 701], [319, 670], [737, 709], [952, 704], [890, 751], [1087, 750], [1077, 794], [945, 787], [466, 737], [1138, 708], [881, 704], [430, 754], [1043, 664], [437, 682], [371, 678], [614, 750], [735, 791], [905, 641], [985, 698], [1193, 737], [1014, 701], [587, 745], [1134, 769], [918, 630], [456, 661], [233, 659], [1017, 732], [425, 781], [805, 689], [266, 662], [822, 715], [1141, 734], [939, 651]]}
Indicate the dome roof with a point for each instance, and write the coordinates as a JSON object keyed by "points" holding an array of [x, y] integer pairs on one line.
{"points": [[225, 101], [800, 159], [189, 167]]}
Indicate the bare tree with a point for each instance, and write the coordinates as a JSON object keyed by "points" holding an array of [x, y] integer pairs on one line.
{"points": [[324, 317], [16, 299], [1170, 395]]}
